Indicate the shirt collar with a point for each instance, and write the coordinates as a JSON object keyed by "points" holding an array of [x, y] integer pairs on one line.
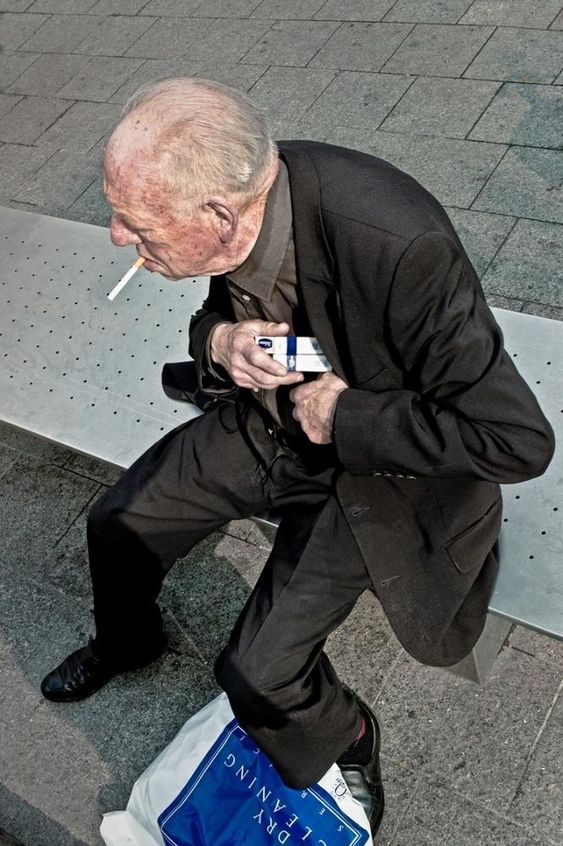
{"points": [[258, 274]]}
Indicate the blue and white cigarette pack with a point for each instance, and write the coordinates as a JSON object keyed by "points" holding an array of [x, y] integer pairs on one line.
{"points": [[212, 787], [295, 352]]}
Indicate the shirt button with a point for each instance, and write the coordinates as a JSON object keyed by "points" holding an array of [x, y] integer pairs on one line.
{"points": [[246, 298]]}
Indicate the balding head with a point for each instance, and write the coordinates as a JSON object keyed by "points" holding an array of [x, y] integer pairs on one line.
{"points": [[191, 138]]}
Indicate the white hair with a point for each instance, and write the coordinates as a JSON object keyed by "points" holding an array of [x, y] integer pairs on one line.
{"points": [[209, 138]]}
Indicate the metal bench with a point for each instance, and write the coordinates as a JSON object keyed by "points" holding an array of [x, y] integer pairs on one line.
{"points": [[86, 374]]}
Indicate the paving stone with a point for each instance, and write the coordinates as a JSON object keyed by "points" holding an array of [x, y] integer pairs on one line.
{"points": [[252, 532], [527, 183], [292, 130], [354, 10], [287, 9], [454, 171], [15, 5], [428, 11], [62, 33], [7, 103], [28, 444], [99, 78], [119, 7], [441, 724], [519, 55], [364, 98], [48, 74], [56, 186], [289, 91], [230, 39], [540, 790], [529, 265], [90, 206], [31, 522], [508, 303], [438, 817], [438, 50], [27, 121], [115, 35], [512, 13], [364, 648], [82, 126], [12, 65], [226, 8], [63, 7], [238, 76], [558, 22], [524, 114], [171, 8], [93, 468], [169, 37], [540, 646], [447, 107], [16, 29], [559, 80], [7, 458], [481, 234], [206, 591], [541, 310], [290, 43], [401, 783], [361, 46]]}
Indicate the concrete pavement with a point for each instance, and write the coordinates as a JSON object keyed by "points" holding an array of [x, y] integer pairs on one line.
{"points": [[465, 95]]}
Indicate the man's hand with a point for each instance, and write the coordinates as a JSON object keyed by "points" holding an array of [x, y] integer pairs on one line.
{"points": [[315, 404], [233, 346]]}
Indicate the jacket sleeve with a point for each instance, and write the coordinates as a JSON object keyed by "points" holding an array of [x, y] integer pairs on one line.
{"points": [[463, 409], [212, 378]]}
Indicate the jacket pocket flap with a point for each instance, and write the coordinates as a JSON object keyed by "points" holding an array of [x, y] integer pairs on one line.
{"points": [[469, 549]]}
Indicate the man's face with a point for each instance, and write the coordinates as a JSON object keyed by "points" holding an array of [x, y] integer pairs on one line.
{"points": [[142, 216]]}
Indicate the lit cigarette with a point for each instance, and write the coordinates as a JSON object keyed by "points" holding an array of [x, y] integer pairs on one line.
{"points": [[123, 282]]}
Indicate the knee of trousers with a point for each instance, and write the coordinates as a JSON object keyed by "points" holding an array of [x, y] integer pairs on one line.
{"points": [[106, 516], [242, 680]]}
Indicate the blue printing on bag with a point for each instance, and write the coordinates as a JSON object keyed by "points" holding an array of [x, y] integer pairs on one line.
{"points": [[235, 796]]}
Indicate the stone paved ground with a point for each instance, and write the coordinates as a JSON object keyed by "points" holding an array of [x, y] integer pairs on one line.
{"points": [[465, 95]]}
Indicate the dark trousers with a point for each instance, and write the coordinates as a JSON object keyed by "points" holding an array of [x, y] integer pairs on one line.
{"points": [[281, 685]]}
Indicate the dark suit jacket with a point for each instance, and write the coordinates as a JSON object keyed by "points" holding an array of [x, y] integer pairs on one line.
{"points": [[436, 414]]}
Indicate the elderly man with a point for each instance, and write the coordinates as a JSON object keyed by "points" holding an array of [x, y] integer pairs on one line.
{"points": [[386, 469]]}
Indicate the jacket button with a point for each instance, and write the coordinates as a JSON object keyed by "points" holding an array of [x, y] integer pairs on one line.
{"points": [[410, 477], [375, 473]]}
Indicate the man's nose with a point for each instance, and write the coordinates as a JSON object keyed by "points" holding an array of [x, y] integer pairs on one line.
{"points": [[121, 235]]}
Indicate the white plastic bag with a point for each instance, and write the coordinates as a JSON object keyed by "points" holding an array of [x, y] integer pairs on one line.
{"points": [[211, 786]]}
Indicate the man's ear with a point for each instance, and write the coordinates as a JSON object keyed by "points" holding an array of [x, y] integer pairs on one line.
{"points": [[225, 218]]}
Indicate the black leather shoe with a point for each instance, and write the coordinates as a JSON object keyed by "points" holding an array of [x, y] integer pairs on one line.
{"points": [[83, 672], [364, 780]]}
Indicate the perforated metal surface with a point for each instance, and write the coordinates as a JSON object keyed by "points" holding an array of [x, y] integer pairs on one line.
{"points": [[77, 369], [84, 372]]}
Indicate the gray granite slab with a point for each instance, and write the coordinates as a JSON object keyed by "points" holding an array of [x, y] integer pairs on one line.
{"points": [[401, 782], [508, 303], [226, 8], [16, 29], [523, 114], [447, 107], [540, 791], [99, 78], [438, 50], [115, 35], [93, 469], [361, 46], [12, 65], [7, 457], [7, 103], [90, 206], [287, 9], [512, 13], [559, 80], [15, 5], [438, 723], [27, 444], [230, 39], [290, 43], [289, 92], [440, 817], [82, 126], [364, 98], [539, 646], [48, 74], [37, 504], [552, 312], [558, 22], [428, 11], [59, 182], [119, 7], [527, 183], [251, 532], [286, 129], [453, 170], [519, 55], [354, 10], [481, 234], [29, 119], [62, 33], [529, 265], [63, 7], [169, 37], [168, 8]]}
